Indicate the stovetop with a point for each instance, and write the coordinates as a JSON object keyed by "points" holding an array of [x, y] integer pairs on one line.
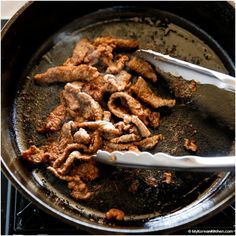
{"points": [[21, 217]]}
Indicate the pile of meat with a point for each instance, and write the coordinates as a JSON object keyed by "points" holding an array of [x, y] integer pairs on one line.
{"points": [[102, 106]]}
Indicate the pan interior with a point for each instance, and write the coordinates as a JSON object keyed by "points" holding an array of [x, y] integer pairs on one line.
{"points": [[34, 103]]}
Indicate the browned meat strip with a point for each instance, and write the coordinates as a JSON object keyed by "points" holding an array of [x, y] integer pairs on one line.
{"points": [[134, 148], [87, 171], [78, 187], [66, 134], [143, 130], [80, 104], [79, 190], [118, 65], [126, 138], [143, 68], [101, 125], [81, 50], [75, 155], [167, 177], [96, 88], [54, 120], [115, 214], [66, 152], [118, 82], [121, 104], [107, 116], [96, 142], [67, 74], [110, 147], [144, 93], [122, 126], [117, 43], [190, 145], [149, 143], [35, 155], [82, 136]]}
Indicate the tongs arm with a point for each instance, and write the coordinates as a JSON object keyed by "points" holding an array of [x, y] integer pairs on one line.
{"points": [[165, 161]]}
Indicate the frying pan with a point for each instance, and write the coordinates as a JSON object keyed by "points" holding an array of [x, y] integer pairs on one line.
{"points": [[31, 48]]}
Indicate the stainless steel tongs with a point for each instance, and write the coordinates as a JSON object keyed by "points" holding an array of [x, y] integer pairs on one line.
{"points": [[187, 71]]}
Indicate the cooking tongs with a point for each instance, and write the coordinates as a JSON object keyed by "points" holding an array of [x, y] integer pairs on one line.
{"points": [[187, 71]]}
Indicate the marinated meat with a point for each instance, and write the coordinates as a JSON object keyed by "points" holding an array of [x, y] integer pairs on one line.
{"points": [[80, 104], [96, 142], [143, 68], [190, 145], [107, 84], [79, 190], [101, 54], [149, 143], [167, 177], [82, 136], [121, 104], [96, 88], [75, 155], [118, 65], [86, 171], [145, 94], [101, 125], [126, 138], [107, 116], [66, 134], [55, 120], [115, 214], [82, 49], [66, 152], [67, 74], [117, 83], [117, 43], [143, 130], [35, 155], [97, 110]]}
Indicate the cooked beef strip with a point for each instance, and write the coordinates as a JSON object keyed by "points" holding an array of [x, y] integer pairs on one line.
{"points": [[118, 65], [117, 43], [121, 104], [107, 116], [75, 155], [35, 155], [80, 104], [190, 145], [115, 214], [55, 120], [143, 68], [126, 138], [145, 94], [101, 125], [87, 171], [67, 74], [81, 50], [150, 142], [82, 136]]}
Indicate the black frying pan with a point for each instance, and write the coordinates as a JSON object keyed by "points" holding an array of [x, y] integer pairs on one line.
{"points": [[24, 46]]}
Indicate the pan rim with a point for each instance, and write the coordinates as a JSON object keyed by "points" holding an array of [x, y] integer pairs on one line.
{"points": [[66, 217]]}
